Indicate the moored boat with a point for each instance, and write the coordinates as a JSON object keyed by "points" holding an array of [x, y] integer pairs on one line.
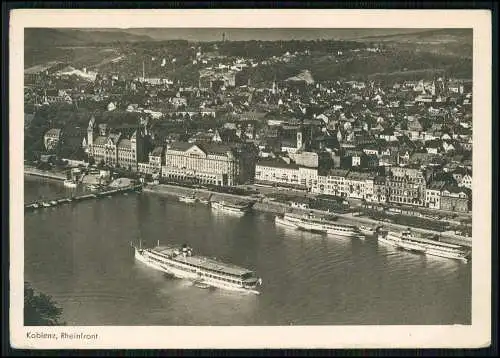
{"points": [[238, 209], [286, 221], [204, 201], [68, 183], [203, 271], [367, 230], [187, 199], [407, 241], [309, 222]]}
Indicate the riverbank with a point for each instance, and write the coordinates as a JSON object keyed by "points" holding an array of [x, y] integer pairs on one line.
{"points": [[275, 207], [263, 205]]}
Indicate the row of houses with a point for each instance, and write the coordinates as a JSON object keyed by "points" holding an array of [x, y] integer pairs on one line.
{"points": [[400, 185]]}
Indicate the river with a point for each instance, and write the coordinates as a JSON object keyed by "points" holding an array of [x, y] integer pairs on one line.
{"points": [[80, 254]]}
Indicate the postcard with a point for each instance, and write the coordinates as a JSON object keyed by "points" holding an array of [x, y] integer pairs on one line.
{"points": [[250, 179]]}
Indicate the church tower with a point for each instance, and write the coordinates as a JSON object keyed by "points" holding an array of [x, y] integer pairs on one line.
{"points": [[90, 134]]}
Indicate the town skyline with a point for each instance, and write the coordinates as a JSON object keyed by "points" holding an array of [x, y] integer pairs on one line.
{"points": [[214, 34]]}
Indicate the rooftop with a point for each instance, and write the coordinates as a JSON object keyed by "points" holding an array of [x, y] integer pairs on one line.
{"points": [[276, 163], [338, 172]]}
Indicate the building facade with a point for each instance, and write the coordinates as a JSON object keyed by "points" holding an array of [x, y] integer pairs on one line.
{"points": [[277, 172], [456, 199], [379, 190], [433, 194], [206, 163], [360, 185], [334, 182], [308, 177], [405, 186], [120, 147]]}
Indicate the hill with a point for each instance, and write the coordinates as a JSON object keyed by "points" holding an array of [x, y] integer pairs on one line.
{"points": [[51, 37], [448, 42], [427, 36]]}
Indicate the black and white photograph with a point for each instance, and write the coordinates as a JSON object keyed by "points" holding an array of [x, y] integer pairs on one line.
{"points": [[228, 176]]}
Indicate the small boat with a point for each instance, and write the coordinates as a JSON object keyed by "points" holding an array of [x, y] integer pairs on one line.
{"points": [[367, 230], [187, 199], [53, 202], [46, 205], [201, 284], [35, 206]]}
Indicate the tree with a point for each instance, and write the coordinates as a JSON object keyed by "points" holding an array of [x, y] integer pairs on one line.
{"points": [[40, 309]]}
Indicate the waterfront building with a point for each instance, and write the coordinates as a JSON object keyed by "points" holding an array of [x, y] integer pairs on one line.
{"points": [[360, 185], [379, 190], [207, 163], [333, 182], [433, 194], [406, 186], [277, 171], [156, 158], [308, 177], [115, 147], [454, 198]]}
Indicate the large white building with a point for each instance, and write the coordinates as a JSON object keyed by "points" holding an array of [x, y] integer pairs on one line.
{"points": [[332, 183], [433, 194], [277, 171], [346, 184], [204, 163]]}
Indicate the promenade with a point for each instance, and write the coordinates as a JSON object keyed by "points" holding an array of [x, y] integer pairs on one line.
{"points": [[275, 207], [44, 173]]}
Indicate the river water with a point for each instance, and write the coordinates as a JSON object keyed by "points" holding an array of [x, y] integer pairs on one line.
{"points": [[80, 254]]}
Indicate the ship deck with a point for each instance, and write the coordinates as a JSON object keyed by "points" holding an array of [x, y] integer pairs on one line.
{"points": [[431, 242], [204, 262]]}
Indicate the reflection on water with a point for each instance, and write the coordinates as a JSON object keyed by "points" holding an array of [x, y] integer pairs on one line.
{"points": [[81, 255]]}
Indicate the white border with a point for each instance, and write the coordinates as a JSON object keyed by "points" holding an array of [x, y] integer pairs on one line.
{"points": [[456, 336]]}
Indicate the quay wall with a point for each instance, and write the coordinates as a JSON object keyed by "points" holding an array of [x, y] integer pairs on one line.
{"points": [[265, 205], [43, 173]]}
